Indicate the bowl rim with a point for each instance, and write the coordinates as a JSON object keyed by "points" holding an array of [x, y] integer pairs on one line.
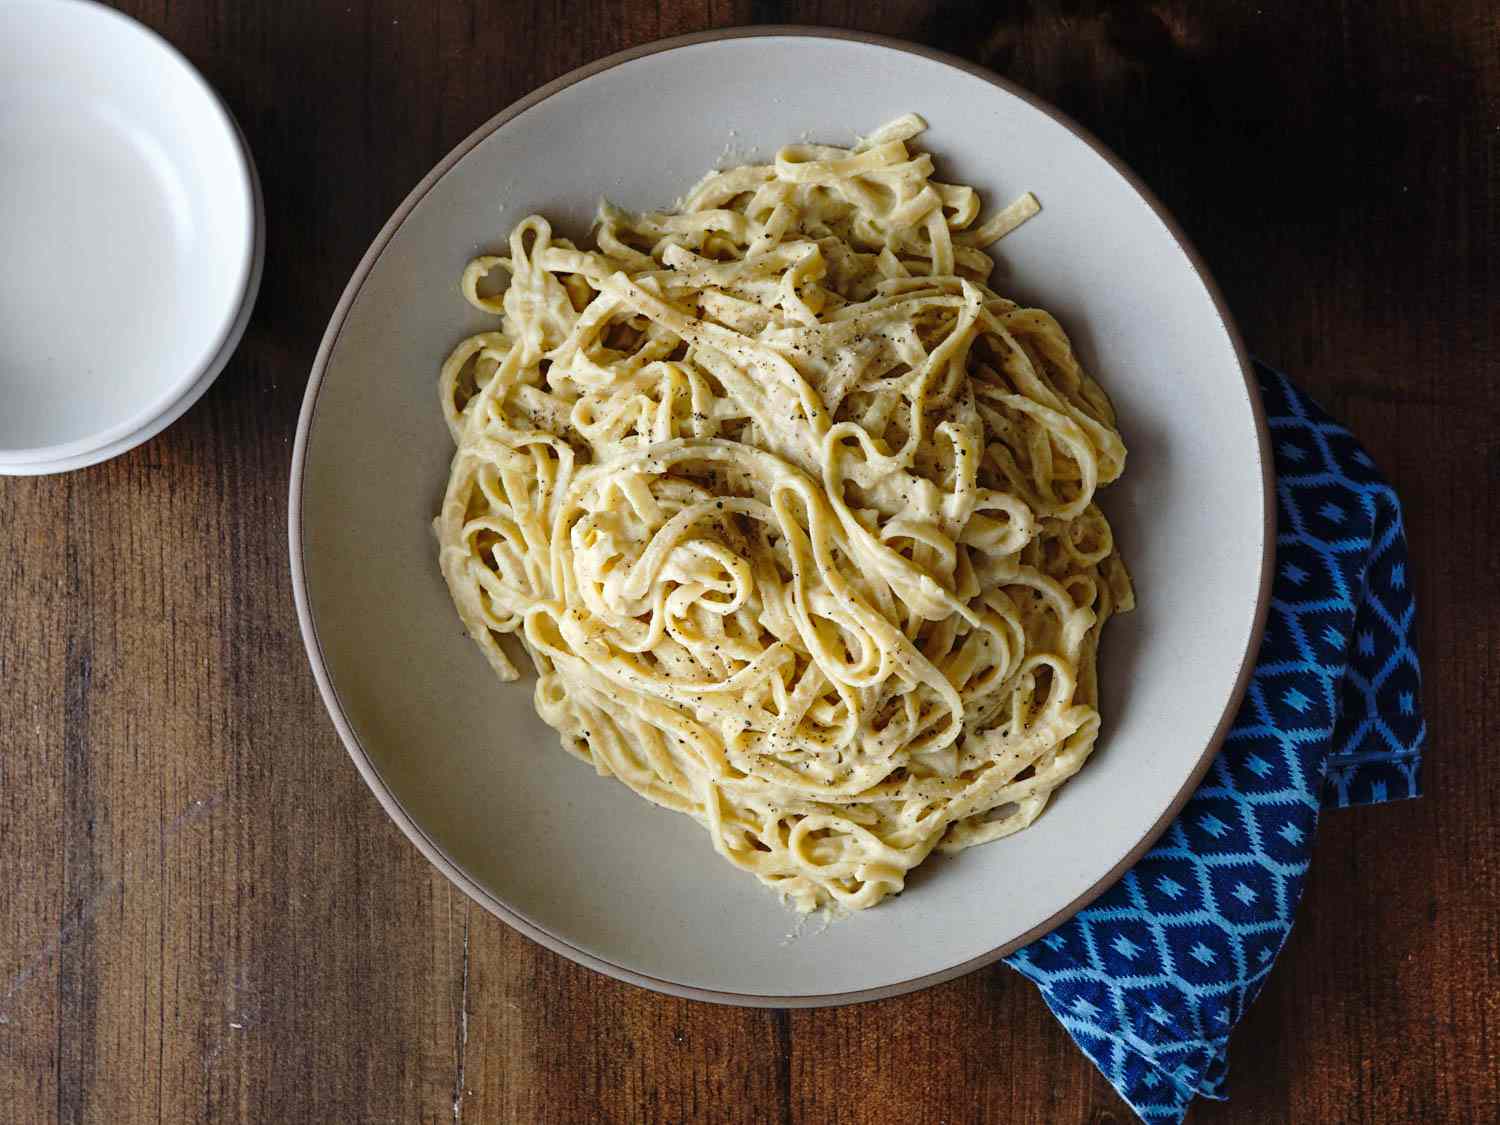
{"points": [[414, 831], [77, 452]]}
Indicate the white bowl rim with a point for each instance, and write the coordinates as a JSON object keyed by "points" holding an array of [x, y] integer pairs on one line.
{"points": [[29, 460], [418, 835]]}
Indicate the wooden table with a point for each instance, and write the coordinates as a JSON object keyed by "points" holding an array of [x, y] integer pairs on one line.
{"points": [[207, 917]]}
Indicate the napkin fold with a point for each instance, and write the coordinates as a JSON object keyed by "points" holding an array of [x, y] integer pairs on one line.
{"points": [[1151, 979]]}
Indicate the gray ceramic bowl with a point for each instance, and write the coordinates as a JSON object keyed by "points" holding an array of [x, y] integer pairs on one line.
{"points": [[579, 863]]}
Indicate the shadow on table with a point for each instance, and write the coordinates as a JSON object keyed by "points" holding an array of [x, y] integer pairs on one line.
{"points": [[1238, 118]]}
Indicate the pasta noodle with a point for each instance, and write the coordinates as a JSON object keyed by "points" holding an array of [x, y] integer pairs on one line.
{"points": [[793, 513]]}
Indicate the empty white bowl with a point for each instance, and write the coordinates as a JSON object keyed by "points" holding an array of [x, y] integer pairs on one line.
{"points": [[130, 218]]}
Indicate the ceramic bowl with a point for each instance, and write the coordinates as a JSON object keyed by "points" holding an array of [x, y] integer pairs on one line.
{"points": [[462, 763], [132, 231]]}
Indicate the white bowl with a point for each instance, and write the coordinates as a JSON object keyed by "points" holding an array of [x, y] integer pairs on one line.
{"points": [[581, 864], [130, 218]]}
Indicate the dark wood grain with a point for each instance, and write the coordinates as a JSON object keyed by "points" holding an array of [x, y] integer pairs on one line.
{"points": [[205, 916]]}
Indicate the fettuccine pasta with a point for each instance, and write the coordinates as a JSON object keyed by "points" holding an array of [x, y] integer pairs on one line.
{"points": [[793, 513]]}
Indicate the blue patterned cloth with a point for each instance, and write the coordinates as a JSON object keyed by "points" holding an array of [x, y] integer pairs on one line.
{"points": [[1151, 979]]}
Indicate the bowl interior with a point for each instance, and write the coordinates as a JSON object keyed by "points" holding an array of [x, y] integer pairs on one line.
{"points": [[464, 762], [126, 224]]}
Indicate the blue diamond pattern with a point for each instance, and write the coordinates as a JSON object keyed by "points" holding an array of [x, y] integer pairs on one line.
{"points": [[1151, 979]]}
